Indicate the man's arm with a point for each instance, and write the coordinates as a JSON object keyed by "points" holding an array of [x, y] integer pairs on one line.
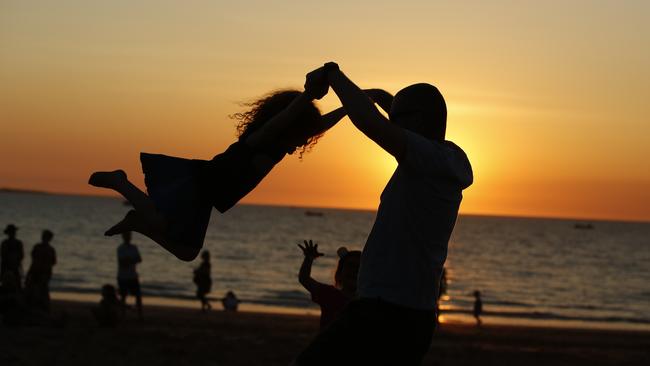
{"points": [[365, 116], [383, 98]]}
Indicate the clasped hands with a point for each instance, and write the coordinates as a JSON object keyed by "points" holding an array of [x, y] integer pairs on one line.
{"points": [[316, 82]]}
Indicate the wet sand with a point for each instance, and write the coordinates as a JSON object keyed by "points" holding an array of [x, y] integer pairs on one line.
{"points": [[182, 336]]}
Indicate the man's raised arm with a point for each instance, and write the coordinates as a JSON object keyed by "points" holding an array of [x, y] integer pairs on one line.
{"points": [[364, 115]]}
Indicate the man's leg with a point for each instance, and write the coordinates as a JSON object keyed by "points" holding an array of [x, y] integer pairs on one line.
{"points": [[372, 332], [138, 297]]}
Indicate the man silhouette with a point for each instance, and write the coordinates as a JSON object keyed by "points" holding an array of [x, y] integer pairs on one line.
{"points": [[392, 321], [127, 277], [11, 258]]}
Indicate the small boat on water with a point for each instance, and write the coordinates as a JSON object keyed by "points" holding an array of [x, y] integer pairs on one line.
{"points": [[314, 213]]}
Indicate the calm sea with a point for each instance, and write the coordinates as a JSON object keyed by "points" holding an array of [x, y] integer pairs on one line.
{"points": [[542, 269]]}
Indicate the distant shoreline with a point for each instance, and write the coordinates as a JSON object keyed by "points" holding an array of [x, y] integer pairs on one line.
{"points": [[453, 316]]}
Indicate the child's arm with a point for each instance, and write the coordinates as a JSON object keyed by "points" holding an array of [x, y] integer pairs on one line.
{"points": [[310, 250], [315, 88]]}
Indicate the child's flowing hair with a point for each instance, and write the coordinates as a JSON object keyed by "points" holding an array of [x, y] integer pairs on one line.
{"points": [[309, 124]]}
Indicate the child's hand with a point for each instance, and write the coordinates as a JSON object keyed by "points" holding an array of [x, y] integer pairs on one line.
{"points": [[316, 83], [310, 250]]}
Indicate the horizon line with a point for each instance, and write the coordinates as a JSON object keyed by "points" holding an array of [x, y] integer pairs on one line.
{"points": [[480, 214]]}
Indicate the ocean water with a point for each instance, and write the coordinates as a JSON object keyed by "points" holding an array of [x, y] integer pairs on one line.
{"points": [[525, 268]]}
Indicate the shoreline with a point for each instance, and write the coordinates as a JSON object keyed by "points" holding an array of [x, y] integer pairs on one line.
{"points": [[171, 335], [451, 317]]}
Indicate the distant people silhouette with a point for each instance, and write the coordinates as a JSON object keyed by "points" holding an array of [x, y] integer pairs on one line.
{"points": [[37, 281], [128, 281], [478, 307], [12, 302], [332, 299], [203, 280], [230, 302], [11, 258], [110, 310], [401, 265], [182, 192]]}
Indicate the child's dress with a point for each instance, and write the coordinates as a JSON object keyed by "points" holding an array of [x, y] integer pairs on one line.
{"points": [[184, 190]]}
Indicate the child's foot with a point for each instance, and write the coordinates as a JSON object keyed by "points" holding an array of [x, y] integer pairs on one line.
{"points": [[128, 223], [107, 179]]}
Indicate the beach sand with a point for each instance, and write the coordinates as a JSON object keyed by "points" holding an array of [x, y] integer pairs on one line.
{"points": [[182, 336]]}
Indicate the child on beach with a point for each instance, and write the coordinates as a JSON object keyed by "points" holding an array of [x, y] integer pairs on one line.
{"points": [[203, 280], [478, 307], [230, 302], [332, 299], [181, 192], [109, 311]]}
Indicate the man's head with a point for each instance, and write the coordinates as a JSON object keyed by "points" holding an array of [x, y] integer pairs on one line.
{"points": [[420, 108], [46, 236], [205, 255], [126, 236], [10, 230]]}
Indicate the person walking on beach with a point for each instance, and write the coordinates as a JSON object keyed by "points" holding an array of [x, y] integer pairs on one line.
{"points": [[128, 282], [37, 281], [203, 280], [478, 307], [332, 299], [392, 321], [11, 259]]}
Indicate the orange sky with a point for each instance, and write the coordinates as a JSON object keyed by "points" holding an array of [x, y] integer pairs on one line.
{"points": [[548, 100]]}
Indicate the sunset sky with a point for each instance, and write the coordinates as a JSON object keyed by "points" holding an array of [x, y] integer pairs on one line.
{"points": [[548, 99]]}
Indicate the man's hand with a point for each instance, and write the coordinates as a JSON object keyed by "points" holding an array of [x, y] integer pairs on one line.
{"points": [[310, 250], [316, 84]]}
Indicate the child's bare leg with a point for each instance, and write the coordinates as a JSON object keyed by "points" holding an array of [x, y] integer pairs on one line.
{"points": [[117, 181], [154, 230], [145, 219]]}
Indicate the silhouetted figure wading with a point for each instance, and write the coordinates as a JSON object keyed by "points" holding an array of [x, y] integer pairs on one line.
{"points": [[203, 280], [478, 307], [128, 281]]}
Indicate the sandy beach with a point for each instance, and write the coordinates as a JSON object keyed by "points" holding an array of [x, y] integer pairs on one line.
{"points": [[183, 336]]}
